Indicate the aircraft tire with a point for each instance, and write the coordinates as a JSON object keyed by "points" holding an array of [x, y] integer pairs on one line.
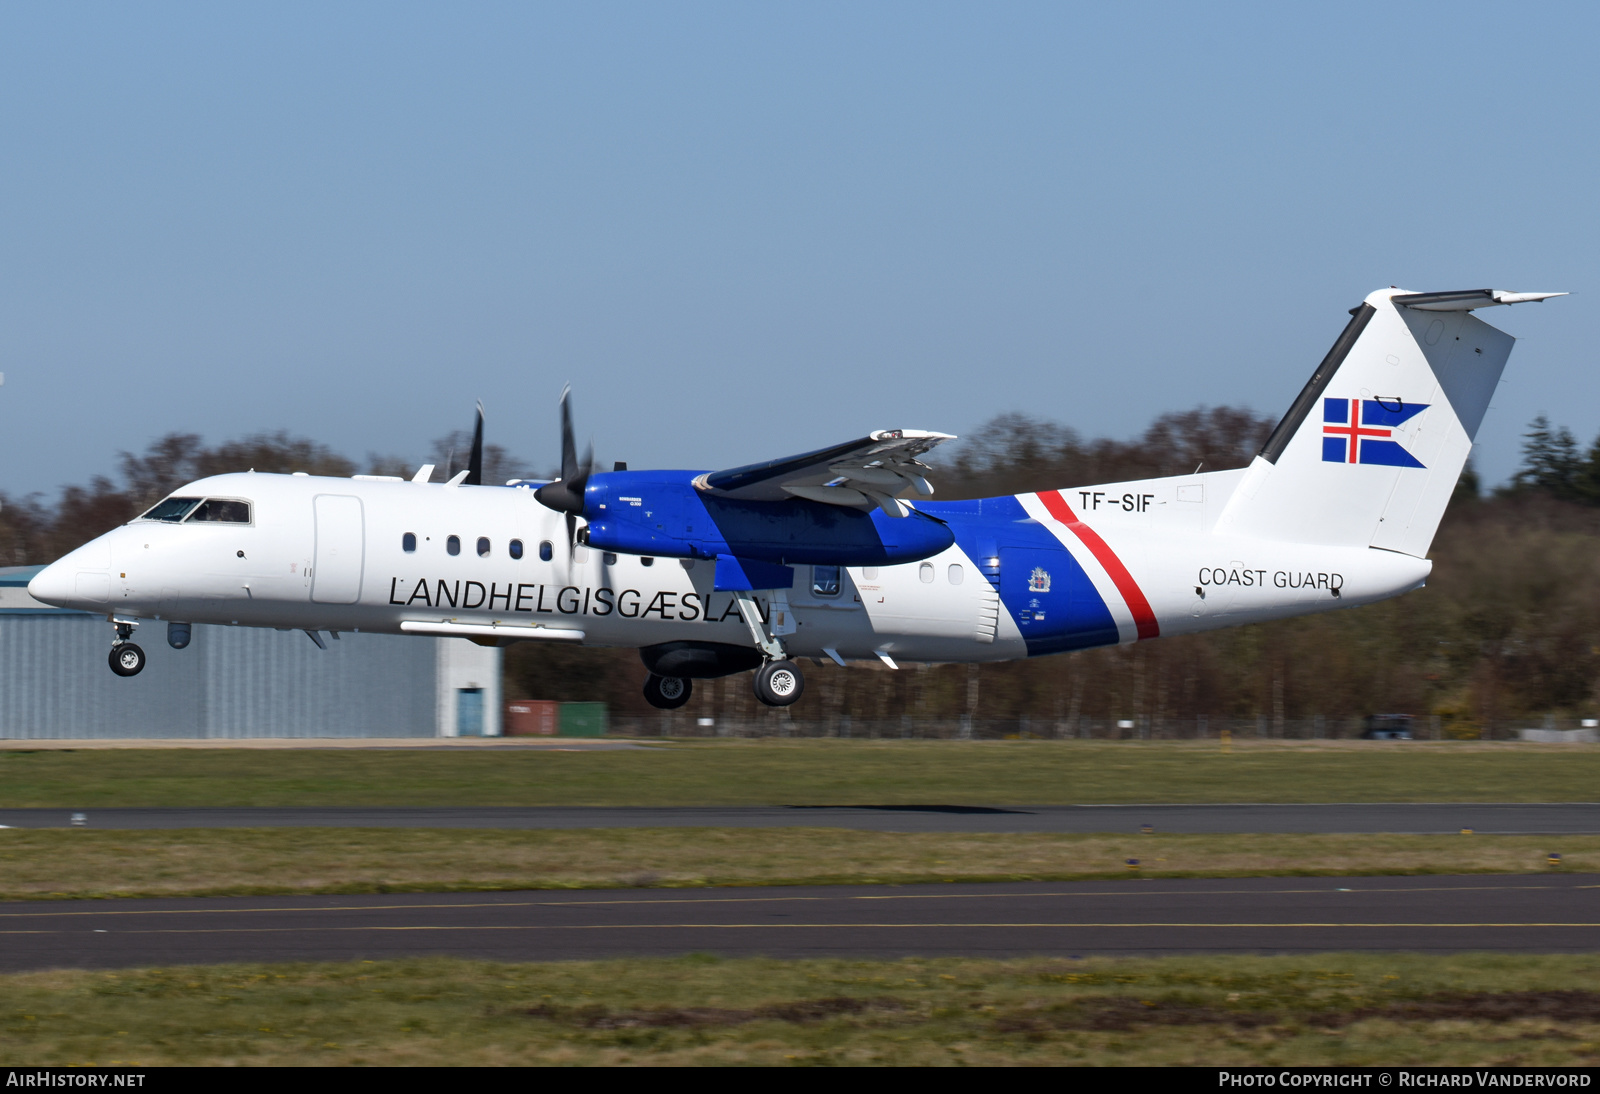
{"points": [[126, 659], [667, 692], [779, 683]]}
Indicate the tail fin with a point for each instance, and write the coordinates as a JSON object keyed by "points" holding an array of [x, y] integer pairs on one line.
{"points": [[1370, 452]]}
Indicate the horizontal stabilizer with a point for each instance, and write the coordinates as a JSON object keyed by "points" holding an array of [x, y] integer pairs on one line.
{"points": [[1468, 299]]}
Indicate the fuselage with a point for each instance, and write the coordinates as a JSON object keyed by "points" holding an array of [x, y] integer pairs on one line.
{"points": [[1022, 575]]}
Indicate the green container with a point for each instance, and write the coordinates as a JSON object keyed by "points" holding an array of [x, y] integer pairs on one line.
{"points": [[583, 720]]}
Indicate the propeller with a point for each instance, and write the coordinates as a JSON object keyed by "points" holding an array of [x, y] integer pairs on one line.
{"points": [[475, 461], [565, 495]]}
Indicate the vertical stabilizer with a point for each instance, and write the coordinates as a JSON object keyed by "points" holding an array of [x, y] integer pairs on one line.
{"points": [[1370, 451]]}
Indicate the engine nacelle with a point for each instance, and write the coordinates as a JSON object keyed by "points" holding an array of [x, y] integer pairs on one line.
{"points": [[699, 660]]}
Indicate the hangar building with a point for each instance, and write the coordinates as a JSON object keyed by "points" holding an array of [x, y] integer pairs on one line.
{"points": [[233, 681]]}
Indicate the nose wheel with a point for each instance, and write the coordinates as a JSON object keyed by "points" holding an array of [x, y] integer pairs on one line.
{"points": [[667, 692], [779, 683], [127, 659]]}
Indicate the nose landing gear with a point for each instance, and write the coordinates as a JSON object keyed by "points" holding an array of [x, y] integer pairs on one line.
{"points": [[126, 658]]}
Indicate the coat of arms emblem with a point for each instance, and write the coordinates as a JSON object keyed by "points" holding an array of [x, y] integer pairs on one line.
{"points": [[1039, 581]]}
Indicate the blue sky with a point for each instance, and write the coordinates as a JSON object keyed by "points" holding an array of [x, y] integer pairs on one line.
{"points": [[744, 230]]}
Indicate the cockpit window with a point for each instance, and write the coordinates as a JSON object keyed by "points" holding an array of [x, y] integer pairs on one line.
{"points": [[171, 510], [222, 510]]}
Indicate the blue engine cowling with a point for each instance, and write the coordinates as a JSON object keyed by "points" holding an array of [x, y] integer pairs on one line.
{"points": [[661, 513]]}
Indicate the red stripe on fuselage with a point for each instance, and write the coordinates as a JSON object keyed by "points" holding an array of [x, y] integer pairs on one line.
{"points": [[1143, 618]]}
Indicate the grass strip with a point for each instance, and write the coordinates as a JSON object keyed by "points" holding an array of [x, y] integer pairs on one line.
{"points": [[776, 771], [69, 863], [1338, 1009]]}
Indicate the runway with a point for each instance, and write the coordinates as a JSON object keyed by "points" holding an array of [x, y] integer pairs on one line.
{"points": [[1498, 818], [1250, 915]]}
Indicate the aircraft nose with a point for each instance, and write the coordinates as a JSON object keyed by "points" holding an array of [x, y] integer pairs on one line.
{"points": [[53, 585], [80, 580]]}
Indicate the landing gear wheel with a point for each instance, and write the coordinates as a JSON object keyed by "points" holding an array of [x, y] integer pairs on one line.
{"points": [[126, 659], [779, 683], [667, 692]]}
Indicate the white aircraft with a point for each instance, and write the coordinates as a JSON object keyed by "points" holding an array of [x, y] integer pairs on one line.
{"points": [[698, 571]]}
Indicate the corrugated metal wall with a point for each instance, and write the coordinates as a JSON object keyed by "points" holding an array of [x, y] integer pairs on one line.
{"points": [[230, 682]]}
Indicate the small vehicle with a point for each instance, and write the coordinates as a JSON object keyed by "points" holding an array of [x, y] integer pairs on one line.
{"points": [[1387, 727]]}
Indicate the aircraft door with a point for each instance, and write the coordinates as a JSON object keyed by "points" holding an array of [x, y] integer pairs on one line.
{"points": [[341, 535], [831, 587]]}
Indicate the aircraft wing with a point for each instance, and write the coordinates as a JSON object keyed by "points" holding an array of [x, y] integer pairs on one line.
{"points": [[871, 471]]}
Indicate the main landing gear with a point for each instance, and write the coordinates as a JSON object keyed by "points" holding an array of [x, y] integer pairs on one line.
{"points": [[667, 692], [778, 682], [126, 658], [674, 666]]}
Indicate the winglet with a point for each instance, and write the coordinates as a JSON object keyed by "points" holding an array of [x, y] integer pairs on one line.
{"points": [[911, 435]]}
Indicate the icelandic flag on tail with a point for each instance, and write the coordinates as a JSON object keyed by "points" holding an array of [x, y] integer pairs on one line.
{"points": [[1362, 431]]}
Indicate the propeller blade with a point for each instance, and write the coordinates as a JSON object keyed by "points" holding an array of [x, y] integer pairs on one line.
{"points": [[566, 494], [475, 461], [569, 447]]}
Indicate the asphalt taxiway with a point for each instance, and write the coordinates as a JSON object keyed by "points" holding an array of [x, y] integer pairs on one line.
{"points": [[1495, 818], [1551, 913]]}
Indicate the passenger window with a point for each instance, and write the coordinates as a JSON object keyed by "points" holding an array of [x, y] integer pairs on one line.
{"points": [[483, 546], [646, 560], [171, 510], [221, 510], [609, 559], [925, 573], [515, 547], [546, 551], [453, 545], [956, 573], [824, 581], [408, 542]]}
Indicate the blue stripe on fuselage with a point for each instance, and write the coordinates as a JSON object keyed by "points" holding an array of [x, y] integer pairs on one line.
{"points": [[1041, 585]]}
